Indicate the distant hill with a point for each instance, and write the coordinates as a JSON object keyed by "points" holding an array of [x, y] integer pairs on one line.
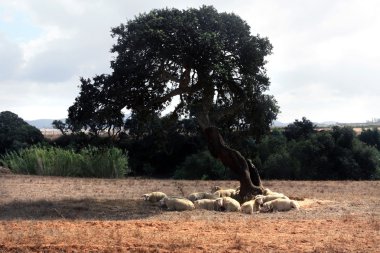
{"points": [[42, 123], [276, 123], [47, 123]]}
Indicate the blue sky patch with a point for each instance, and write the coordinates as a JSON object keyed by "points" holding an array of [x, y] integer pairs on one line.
{"points": [[17, 26]]}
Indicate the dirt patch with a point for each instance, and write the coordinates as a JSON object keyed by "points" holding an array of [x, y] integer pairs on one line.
{"points": [[52, 214]]}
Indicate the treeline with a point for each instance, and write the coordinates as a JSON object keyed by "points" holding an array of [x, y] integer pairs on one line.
{"points": [[164, 148]]}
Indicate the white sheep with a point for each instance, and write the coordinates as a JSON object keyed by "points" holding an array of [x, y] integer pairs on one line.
{"points": [[177, 204], [267, 192], [230, 205], [201, 195], [216, 188], [263, 199], [280, 205], [208, 204], [225, 193], [154, 196], [251, 206]]}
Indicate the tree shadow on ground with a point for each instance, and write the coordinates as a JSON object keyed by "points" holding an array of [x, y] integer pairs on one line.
{"points": [[87, 209]]}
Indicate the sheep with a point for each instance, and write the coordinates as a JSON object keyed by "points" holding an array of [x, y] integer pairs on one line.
{"points": [[201, 195], [230, 205], [219, 204], [154, 196], [250, 207], [263, 199], [217, 188], [208, 204], [280, 205], [177, 204], [225, 193], [267, 192]]}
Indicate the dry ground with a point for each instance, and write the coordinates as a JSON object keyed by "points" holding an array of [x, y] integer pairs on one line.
{"points": [[50, 214]]}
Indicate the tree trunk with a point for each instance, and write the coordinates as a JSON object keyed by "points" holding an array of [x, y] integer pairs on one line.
{"points": [[250, 182]]}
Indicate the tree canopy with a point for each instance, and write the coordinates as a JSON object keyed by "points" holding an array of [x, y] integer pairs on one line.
{"points": [[15, 133], [208, 61]]}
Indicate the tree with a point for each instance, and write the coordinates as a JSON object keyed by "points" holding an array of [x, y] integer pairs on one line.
{"points": [[61, 126], [15, 133], [371, 137], [94, 109], [209, 61], [299, 129]]}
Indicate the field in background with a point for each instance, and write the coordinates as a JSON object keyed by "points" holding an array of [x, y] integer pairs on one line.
{"points": [[51, 134], [50, 214]]}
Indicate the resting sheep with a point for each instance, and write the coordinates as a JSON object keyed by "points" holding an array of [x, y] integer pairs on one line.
{"points": [[230, 205], [250, 207], [267, 192], [280, 205], [201, 195], [215, 188], [225, 193], [177, 204], [154, 196], [208, 204], [263, 199]]}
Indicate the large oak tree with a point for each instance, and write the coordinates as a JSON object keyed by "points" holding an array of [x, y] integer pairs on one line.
{"points": [[209, 61]]}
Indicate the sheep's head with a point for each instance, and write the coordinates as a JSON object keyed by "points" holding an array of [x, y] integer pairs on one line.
{"points": [[266, 207], [215, 188], [162, 202], [259, 200], [146, 196], [218, 204], [294, 205], [267, 191]]}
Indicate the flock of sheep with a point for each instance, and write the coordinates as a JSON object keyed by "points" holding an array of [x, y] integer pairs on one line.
{"points": [[224, 200]]}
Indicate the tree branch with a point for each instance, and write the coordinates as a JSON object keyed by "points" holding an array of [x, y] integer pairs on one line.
{"points": [[183, 87], [238, 101]]}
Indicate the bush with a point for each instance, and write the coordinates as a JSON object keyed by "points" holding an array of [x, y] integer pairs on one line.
{"points": [[280, 166], [371, 137], [50, 161], [109, 162], [201, 166], [16, 134]]}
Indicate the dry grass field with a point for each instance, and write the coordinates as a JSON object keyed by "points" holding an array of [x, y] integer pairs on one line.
{"points": [[50, 214]]}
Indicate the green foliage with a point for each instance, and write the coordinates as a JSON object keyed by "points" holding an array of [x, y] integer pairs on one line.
{"points": [[194, 54], [104, 162], [368, 160], [299, 129], [156, 146], [50, 161], [371, 137], [201, 166], [280, 166], [15, 133], [336, 154]]}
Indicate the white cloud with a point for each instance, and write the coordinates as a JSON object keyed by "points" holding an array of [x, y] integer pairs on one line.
{"points": [[11, 58], [325, 62]]}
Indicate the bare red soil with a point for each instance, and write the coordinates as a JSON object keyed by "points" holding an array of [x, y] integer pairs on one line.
{"points": [[50, 214]]}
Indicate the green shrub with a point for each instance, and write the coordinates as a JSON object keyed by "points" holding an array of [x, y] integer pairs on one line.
{"points": [[50, 161], [16, 134], [104, 162], [201, 166], [280, 166]]}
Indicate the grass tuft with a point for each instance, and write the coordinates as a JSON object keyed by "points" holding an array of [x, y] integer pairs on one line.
{"points": [[51, 161]]}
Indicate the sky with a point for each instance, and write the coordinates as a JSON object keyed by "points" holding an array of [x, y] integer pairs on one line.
{"points": [[325, 64]]}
